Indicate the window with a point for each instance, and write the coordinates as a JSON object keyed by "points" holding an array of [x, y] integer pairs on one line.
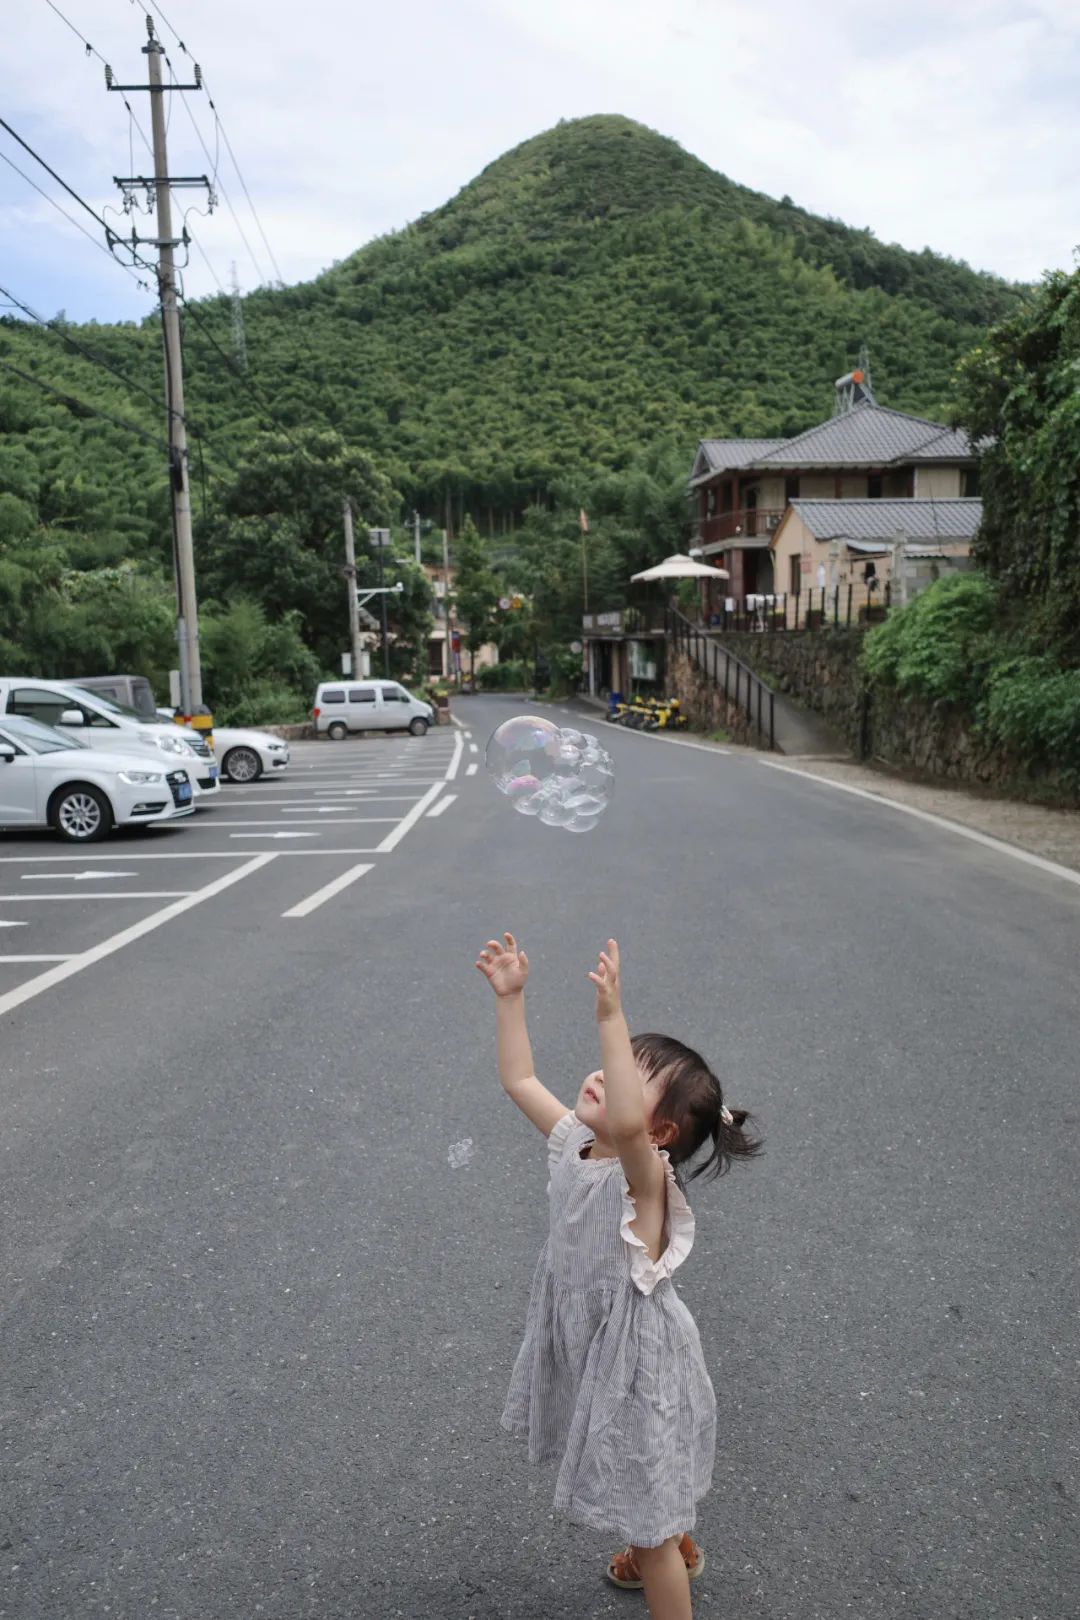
{"points": [[970, 483], [333, 697], [791, 488], [726, 496], [394, 694], [874, 486], [36, 704], [710, 503], [795, 564], [362, 694]]}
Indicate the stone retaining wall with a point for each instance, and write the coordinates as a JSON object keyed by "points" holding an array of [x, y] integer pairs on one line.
{"points": [[705, 706], [819, 669]]}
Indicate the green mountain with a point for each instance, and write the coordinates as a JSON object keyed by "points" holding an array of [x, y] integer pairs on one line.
{"points": [[561, 331]]}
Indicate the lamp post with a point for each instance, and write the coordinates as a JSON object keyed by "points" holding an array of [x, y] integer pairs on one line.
{"points": [[380, 539]]}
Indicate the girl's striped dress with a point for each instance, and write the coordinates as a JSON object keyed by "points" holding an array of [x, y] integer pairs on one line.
{"points": [[611, 1376]]}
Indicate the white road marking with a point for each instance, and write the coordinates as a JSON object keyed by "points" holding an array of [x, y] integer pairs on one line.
{"points": [[468, 734], [76, 877], [998, 845], [75, 964], [443, 804], [659, 736], [470, 770], [274, 835], [455, 759], [393, 839], [12, 925], [473, 749], [327, 892], [105, 894], [35, 959], [321, 809], [338, 821]]}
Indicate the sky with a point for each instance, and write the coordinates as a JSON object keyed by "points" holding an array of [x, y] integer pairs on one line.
{"points": [[953, 126]]}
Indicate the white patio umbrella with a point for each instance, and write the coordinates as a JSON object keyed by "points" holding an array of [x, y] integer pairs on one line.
{"points": [[681, 567]]}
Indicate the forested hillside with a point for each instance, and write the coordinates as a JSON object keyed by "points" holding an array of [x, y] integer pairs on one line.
{"points": [[560, 333]]}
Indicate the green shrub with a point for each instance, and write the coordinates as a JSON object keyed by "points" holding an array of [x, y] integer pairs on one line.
{"points": [[513, 675], [1032, 708], [938, 647]]}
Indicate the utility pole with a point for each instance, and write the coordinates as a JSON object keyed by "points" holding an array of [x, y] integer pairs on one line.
{"points": [[187, 623], [450, 670], [350, 585]]}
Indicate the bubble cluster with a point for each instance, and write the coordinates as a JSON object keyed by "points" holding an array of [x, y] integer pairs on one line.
{"points": [[556, 773]]}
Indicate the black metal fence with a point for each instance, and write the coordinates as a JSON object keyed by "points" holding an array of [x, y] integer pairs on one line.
{"points": [[843, 607], [729, 674]]}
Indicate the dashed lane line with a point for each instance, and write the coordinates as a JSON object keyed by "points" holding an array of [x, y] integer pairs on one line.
{"points": [[470, 770], [443, 804], [327, 891], [127, 936]]}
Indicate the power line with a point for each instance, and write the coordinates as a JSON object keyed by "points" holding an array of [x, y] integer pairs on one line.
{"points": [[218, 185], [70, 218], [228, 145], [81, 404], [93, 51]]}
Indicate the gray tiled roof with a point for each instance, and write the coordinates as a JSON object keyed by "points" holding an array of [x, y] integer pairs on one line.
{"points": [[721, 454], [948, 520], [869, 436]]}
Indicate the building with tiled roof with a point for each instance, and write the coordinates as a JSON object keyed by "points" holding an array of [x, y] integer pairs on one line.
{"points": [[867, 453]]}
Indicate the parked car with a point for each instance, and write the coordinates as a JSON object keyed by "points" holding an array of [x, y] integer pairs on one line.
{"points": [[344, 706], [48, 779], [243, 755], [101, 723]]}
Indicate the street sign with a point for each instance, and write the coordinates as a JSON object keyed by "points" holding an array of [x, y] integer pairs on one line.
{"points": [[346, 663], [379, 537]]}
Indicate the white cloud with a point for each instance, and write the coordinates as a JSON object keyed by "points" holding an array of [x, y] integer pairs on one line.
{"points": [[954, 130]]}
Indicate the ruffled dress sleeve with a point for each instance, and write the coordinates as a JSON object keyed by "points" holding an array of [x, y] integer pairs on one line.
{"points": [[679, 1225], [559, 1139]]}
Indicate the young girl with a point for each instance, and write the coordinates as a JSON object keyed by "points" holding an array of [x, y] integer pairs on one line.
{"points": [[611, 1375]]}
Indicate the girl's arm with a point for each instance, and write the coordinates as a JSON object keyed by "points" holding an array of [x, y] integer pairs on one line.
{"points": [[506, 970], [624, 1103]]}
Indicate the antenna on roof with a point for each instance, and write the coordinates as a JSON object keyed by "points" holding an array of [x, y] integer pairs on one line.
{"points": [[855, 388]]}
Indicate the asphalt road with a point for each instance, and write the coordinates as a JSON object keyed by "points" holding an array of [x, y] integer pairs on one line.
{"points": [[257, 1329]]}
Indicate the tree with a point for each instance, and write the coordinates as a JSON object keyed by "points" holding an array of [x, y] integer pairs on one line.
{"points": [[476, 589]]}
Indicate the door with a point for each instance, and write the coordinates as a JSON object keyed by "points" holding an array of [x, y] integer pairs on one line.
{"points": [[362, 708], [18, 787], [397, 706]]}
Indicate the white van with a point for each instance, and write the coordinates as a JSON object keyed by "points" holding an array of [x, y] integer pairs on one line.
{"points": [[344, 706], [100, 723]]}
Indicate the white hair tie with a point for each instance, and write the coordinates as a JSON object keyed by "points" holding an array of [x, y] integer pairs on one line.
{"points": [[726, 1116]]}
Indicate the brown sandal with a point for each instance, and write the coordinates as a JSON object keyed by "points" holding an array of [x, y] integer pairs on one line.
{"points": [[623, 1570]]}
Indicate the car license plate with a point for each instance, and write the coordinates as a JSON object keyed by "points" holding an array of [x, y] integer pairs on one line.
{"points": [[213, 773], [183, 792]]}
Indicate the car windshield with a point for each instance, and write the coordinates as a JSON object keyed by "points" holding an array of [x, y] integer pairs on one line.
{"points": [[36, 738], [110, 706]]}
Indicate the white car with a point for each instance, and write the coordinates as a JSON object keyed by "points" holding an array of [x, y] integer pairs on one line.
{"points": [[244, 755], [48, 779], [100, 723]]}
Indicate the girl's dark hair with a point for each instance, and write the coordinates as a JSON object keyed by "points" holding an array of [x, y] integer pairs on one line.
{"points": [[692, 1099]]}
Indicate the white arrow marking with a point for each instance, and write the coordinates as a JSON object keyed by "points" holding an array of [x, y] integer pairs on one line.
{"points": [[77, 877], [12, 925], [274, 835]]}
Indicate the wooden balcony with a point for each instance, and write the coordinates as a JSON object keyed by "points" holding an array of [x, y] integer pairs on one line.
{"points": [[757, 523]]}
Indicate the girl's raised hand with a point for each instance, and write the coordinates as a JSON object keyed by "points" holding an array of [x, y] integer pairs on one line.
{"points": [[606, 980], [504, 967]]}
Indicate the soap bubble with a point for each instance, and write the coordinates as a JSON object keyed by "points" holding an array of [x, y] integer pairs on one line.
{"points": [[459, 1153], [560, 775]]}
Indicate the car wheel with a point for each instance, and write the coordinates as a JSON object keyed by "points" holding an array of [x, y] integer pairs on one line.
{"points": [[80, 814], [242, 765], [337, 731], [418, 727]]}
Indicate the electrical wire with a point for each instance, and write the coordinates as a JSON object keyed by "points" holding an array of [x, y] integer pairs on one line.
{"points": [[81, 404], [219, 186], [93, 51], [71, 219], [225, 137]]}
